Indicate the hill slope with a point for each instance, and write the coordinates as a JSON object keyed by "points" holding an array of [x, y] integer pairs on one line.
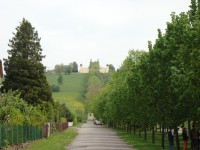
{"points": [[72, 89]]}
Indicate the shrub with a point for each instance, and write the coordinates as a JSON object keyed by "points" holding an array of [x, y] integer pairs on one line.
{"points": [[55, 88], [14, 110]]}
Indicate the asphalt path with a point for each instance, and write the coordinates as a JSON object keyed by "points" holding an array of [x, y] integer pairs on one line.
{"points": [[96, 137]]}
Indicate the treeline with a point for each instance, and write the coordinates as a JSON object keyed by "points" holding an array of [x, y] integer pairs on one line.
{"points": [[95, 83], [66, 69], [26, 97], [161, 86]]}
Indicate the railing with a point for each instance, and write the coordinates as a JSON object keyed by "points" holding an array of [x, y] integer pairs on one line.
{"points": [[18, 134]]}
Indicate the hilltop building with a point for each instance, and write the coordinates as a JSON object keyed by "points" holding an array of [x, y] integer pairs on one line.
{"points": [[87, 69], [104, 70], [83, 69]]}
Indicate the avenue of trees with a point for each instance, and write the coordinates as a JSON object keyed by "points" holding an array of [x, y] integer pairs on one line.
{"points": [[26, 95], [161, 86]]}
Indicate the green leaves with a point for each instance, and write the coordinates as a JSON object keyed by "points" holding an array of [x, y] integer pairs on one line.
{"points": [[163, 85], [24, 69], [15, 110]]}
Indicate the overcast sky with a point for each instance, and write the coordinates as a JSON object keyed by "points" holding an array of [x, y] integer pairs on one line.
{"points": [[80, 30]]}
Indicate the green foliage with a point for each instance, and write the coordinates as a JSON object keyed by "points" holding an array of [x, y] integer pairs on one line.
{"points": [[5, 143], [15, 110], [23, 67], [94, 67], [74, 67], [160, 86], [94, 85], [59, 69], [68, 69], [55, 88], [60, 79], [66, 113], [111, 68]]}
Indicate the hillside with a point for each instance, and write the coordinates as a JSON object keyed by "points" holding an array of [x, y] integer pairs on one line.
{"points": [[71, 91]]}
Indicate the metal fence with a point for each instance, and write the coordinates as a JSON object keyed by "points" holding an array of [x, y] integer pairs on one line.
{"points": [[18, 134]]}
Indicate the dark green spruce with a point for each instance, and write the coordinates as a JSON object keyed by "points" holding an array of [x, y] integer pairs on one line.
{"points": [[23, 67]]}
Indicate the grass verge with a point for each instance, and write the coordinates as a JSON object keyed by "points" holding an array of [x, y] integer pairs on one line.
{"points": [[138, 142], [57, 141]]}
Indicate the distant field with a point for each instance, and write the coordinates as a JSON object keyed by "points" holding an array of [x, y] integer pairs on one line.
{"points": [[72, 89]]}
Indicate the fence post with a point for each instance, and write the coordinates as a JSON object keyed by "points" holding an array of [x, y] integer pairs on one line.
{"points": [[29, 132], [41, 132], [17, 134], [12, 132], [22, 127], [35, 133]]}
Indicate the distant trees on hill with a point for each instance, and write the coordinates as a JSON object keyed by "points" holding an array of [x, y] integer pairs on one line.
{"points": [[66, 69], [74, 67], [111, 68], [96, 82], [94, 67]]}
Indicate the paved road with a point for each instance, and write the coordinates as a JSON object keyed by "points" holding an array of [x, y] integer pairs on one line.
{"points": [[91, 137]]}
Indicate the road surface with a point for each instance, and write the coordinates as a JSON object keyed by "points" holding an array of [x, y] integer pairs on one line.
{"points": [[96, 137]]}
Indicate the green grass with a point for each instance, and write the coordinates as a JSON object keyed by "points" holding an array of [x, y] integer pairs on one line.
{"points": [[71, 90], [57, 141], [138, 142]]}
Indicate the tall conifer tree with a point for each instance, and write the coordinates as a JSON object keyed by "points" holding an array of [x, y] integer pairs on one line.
{"points": [[24, 69]]}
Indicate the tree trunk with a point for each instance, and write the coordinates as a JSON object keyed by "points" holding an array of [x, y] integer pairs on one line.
{"points": [[153, 135], [127, 127], [177, 138], [139, 133], [145, 133], [163, 137], [134, 128]]}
